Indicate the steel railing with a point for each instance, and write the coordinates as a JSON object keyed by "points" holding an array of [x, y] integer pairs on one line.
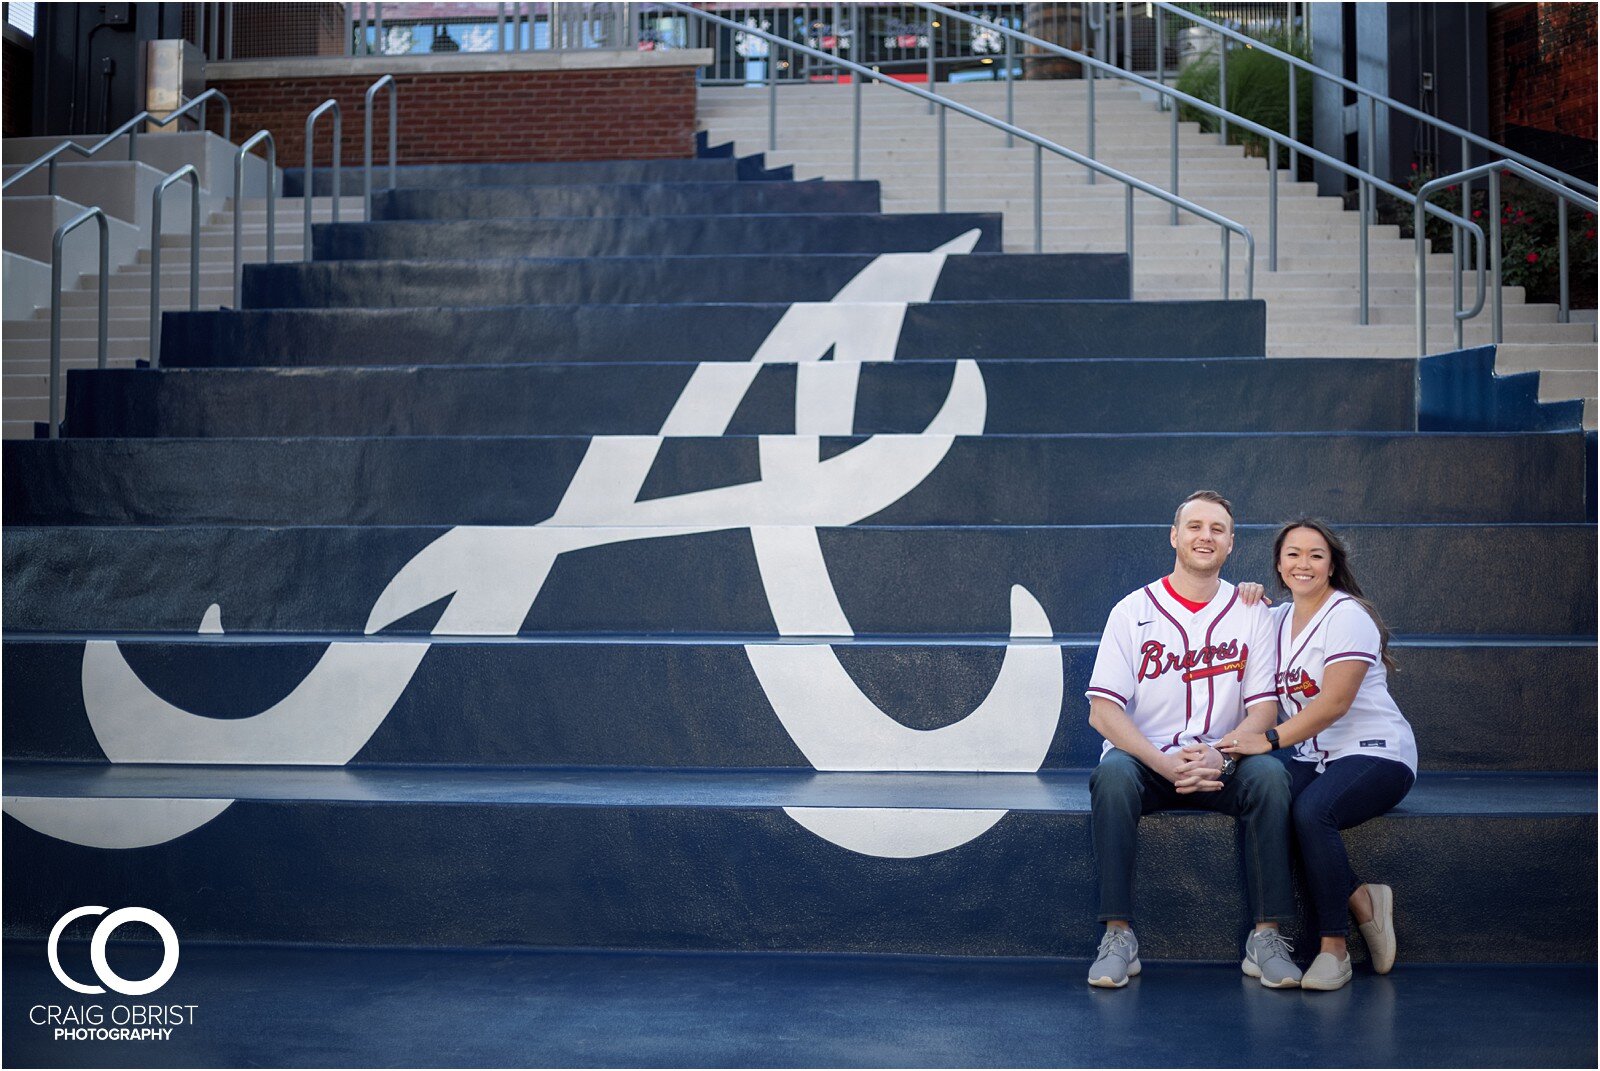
{"points": [[129, 128], [944, 106], [366, 138], [1366, 180], [238, 206], [1493, 171], [310, 184], [187, 171], [99, 216]]}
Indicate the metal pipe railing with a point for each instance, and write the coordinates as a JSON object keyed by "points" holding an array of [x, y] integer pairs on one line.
{"points": [[1387, 101], [1367, 181], [187, 171], [238, 206], [394, 126], [99, 216], [311, 186], [1493, 171], [1039, 143], [129, 128]]}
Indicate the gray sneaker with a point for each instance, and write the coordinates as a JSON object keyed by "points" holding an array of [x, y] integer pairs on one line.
{"points": [[1267, 957], [1117, 960]]}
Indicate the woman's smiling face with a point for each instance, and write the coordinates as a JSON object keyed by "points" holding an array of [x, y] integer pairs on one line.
{"points": [[1305, 563]]}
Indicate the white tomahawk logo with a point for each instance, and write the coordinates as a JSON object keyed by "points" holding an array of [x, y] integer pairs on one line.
{"points": [[492, 576]]}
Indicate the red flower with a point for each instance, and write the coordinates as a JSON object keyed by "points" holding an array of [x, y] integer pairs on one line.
{"points": [[1589, 234], [1477, 213], [1413, 167], [1533, 258]]}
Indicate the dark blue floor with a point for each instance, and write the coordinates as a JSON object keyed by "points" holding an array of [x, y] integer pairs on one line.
{"points": [[308, 1007]]}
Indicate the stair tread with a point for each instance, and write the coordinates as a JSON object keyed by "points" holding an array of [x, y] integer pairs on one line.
{"points": [[1052, 791]]}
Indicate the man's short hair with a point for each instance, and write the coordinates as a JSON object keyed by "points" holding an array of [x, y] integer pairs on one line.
{"points": [[1204, 496]]}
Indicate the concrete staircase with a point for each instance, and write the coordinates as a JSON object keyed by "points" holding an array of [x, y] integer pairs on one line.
{"points": [[1312, 298], [27, 345]]}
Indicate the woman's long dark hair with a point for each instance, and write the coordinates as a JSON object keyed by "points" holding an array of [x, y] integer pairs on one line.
{"points": [[1340, 575]]}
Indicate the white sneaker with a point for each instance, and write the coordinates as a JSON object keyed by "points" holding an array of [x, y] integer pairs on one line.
{"points": [[1117, 959], [1327, 972], [1379, 933]]}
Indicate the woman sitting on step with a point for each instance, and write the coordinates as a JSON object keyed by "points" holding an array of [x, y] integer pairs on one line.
{"points": [[1354, 755]]}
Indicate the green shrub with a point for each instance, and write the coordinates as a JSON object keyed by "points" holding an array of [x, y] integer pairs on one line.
{"points": [[1258, 89]]}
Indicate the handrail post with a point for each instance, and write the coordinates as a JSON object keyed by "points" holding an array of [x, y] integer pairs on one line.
{"points": [[1011, 111], [1272, 206], [366, 136], [1294, 123], [1161, 56], [1372, 157], [1038, 198], [1089, 80], [942, 154], [1419, 227], [933, 71], [1561, 232], [311, 174], [1222, 89], [1127, 232], [99, 216], [856, 39], [1174, 179], [772, 95], [1494, 254], [1458, 260], [1361, 223], [187, 171], [238, 207], [1225, 252]]}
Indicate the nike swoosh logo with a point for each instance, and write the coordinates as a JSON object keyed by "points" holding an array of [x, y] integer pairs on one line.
{"points": [[1142, 624]]}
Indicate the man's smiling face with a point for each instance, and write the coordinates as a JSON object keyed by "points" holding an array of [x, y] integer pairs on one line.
{"points": [[1203, 538]]}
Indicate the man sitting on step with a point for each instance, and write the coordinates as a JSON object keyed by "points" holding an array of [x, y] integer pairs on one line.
{"points": [[1180, 662]]}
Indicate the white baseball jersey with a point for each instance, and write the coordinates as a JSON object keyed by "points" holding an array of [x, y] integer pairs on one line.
{"points": [[1183, 677], [1342, 631]]}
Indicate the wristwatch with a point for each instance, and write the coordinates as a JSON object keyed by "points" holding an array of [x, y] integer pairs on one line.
{"points": [[1272, 738], [1229, 764]]}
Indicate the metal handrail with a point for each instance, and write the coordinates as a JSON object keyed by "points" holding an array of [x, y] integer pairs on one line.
{"points": [[127, 128], [311, 185], [1494, 171], [1365, 179], [946, 105], [238, 206], [1387, 101], [366, 140], [98, 215], [187, 171]]}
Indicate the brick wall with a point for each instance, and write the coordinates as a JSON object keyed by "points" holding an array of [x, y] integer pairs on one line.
{"points": [[1542, 69], [594, 114], [16, 73]]}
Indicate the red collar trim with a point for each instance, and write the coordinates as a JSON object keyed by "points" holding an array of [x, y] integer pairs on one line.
{"points": [[1188, 604]]}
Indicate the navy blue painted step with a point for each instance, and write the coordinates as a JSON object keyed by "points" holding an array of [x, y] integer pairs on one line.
{"points": [[1024, 397], [662, 280], [637, 236], [554, 173], [945, 330], [429, 1007], [635, 199], [675, 860], [700, 704], [920, 582], [1027, 480]]}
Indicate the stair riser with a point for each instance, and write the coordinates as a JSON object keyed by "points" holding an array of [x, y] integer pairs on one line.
{"points": [[1024, 397], [681, 199], [700, 705], [894, 582], [697, 235], [751, 878], [945, 330], [652, 280], [435, 176]]}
